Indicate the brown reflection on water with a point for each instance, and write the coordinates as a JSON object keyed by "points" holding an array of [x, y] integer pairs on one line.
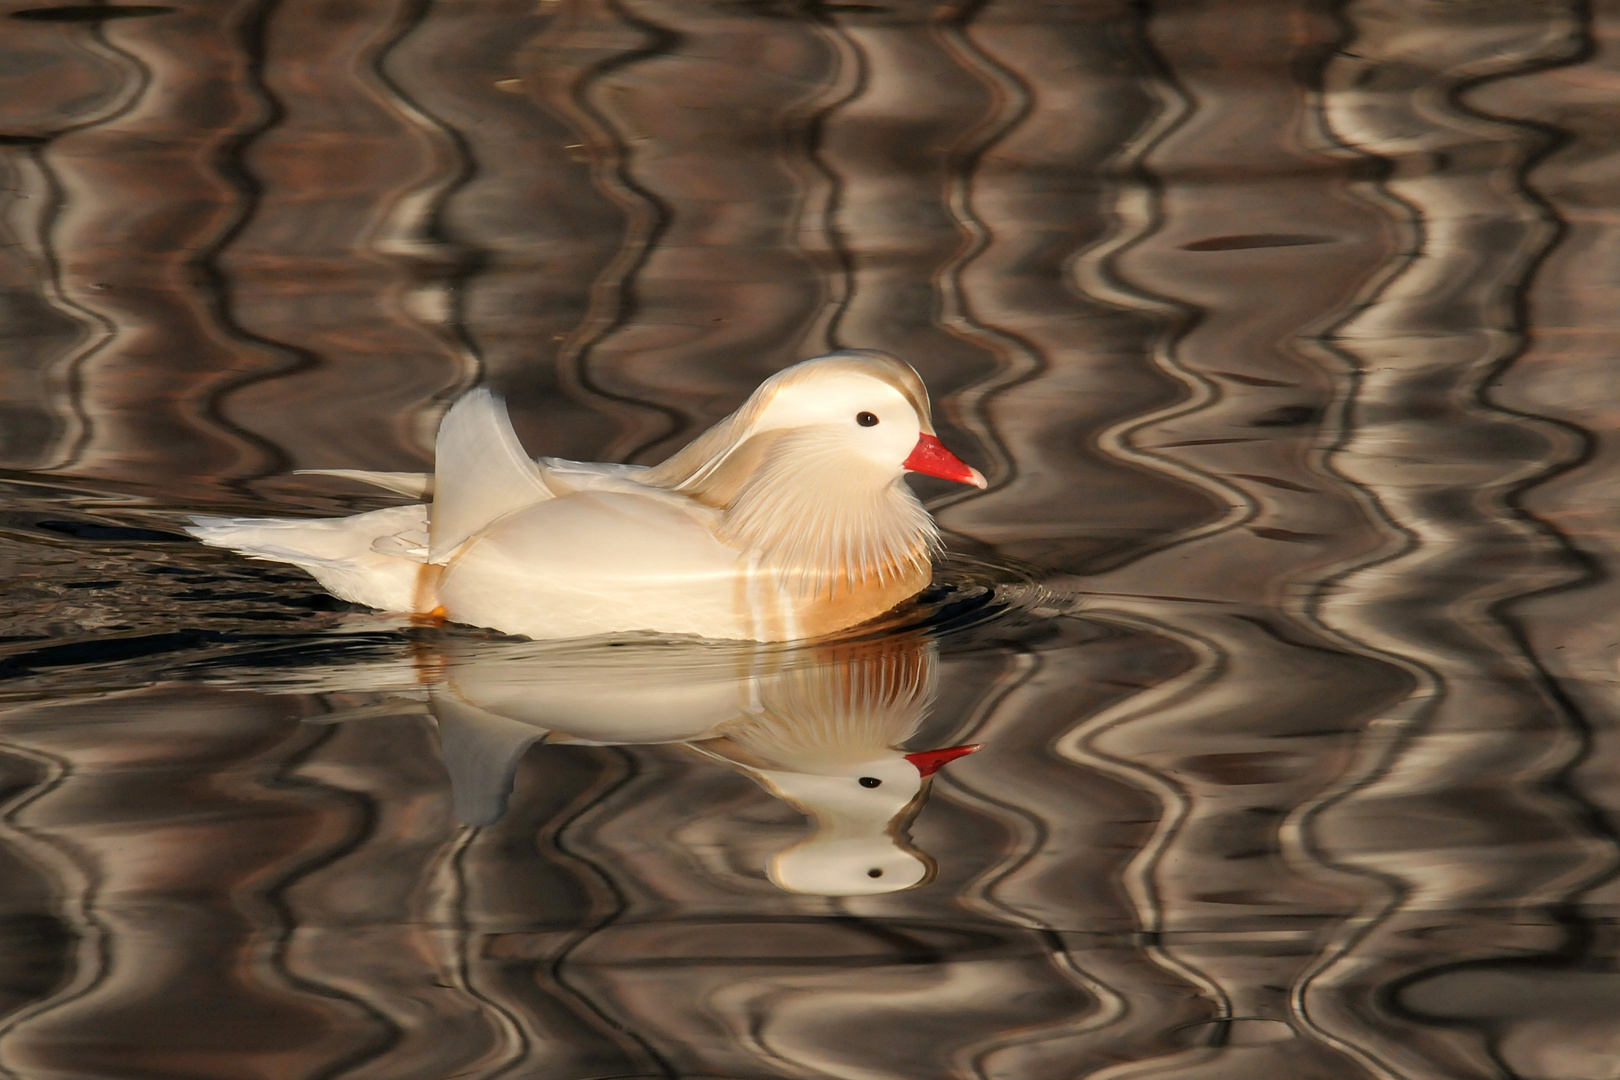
{"points": [[305, 888], [1280, 328]]}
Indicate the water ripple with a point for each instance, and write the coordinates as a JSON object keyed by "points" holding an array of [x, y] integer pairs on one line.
{"points": [[1273, 324], [1434, 331]]}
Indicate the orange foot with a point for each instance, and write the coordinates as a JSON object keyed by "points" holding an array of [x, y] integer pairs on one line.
{"points": [[430, 618]]}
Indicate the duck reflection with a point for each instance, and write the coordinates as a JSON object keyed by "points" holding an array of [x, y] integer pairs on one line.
{"points": [[825, 729]]}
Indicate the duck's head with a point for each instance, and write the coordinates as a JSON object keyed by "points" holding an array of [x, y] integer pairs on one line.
{"points": [[873, 404], [863, 409]]}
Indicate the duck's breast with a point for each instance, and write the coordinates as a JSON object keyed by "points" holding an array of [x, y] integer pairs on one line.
{"points": [[599, 562], [844, 604]]}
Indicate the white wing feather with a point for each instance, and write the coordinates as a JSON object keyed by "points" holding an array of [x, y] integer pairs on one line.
{"points": [[480, 472]]}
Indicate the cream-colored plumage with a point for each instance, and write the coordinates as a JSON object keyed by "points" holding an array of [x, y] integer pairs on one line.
{"points": [[788, 519]]}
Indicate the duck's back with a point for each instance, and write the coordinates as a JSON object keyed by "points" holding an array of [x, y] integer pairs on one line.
{"points": [[598, 562]]}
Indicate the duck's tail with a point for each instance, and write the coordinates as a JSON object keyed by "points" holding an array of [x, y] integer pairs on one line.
{"points": [[375, 559], [382, 559]]}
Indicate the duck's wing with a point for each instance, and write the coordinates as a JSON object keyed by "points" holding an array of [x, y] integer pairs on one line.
{"points": [[480, 472], [560, 476], [604, 562], [563, 475]]}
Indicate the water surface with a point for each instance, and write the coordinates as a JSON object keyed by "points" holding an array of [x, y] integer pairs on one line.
{"points": [[1280, 328]]}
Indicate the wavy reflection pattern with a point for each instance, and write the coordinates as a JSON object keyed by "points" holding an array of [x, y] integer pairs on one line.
{"points": [[1232, 301], [1466, 716], [1486, 727], [1555, 1018], [52, 329]]}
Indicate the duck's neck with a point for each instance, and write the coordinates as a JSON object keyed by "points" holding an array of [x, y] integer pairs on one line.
{"points": [[824, 527], [824, 521]]}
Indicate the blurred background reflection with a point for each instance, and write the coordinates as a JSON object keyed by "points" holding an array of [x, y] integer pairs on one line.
{"points": [[1281, 329]]}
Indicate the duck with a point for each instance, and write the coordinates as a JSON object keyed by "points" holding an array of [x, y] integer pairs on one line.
{"points": [[789, 519]]}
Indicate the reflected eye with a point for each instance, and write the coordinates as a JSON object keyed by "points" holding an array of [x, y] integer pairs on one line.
{"points": [[866, 419], [870, 781]]}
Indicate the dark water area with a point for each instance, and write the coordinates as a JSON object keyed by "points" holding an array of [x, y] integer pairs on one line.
{"points": [[1283, 331]]}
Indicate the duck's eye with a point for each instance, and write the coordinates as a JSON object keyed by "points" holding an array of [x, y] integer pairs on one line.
{"points": [[870, 781], [866, 419], [874, 872]]}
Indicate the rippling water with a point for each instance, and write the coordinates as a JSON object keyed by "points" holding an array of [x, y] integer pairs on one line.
{"points": [[1281, 329]]}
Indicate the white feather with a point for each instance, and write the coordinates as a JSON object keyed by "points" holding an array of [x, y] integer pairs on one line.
{"points": [[820, 520], [339, 552], [481, 473]]}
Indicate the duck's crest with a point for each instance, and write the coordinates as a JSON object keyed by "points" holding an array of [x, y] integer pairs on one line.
{"points": [[480, 472]]}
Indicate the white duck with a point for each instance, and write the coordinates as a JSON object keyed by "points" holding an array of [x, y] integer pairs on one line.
{"points": [[788, 519]]}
